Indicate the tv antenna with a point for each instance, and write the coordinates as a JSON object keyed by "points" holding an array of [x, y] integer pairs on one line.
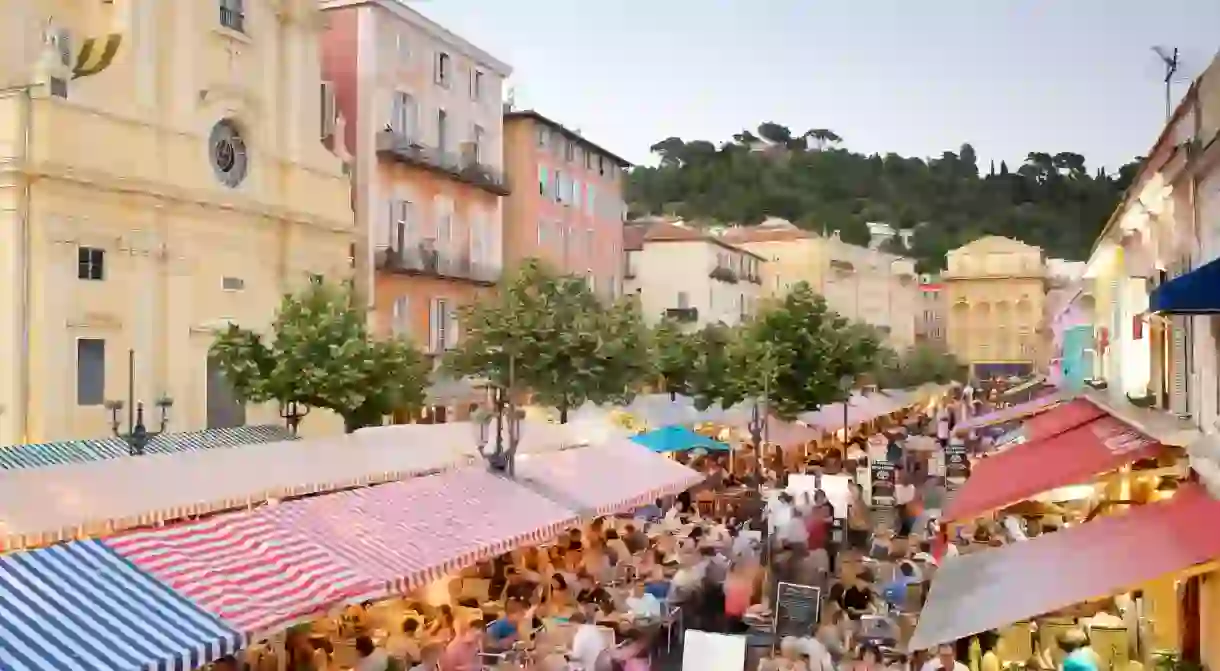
{"points": [[1171, 61]]}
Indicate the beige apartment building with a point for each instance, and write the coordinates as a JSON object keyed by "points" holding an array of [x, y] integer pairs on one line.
{"points": [[862, 284], [421, 110], [995, 288], [143, 208], [690, 275], [930, 323], [567, 206]]}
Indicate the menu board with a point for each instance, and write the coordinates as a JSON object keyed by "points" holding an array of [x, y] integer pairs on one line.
{"points": [[882, 484], [707, 651], [797, 609], [957, 464]]}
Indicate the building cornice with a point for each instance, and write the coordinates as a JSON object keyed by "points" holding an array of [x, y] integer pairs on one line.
{"points": [[244, 205], [436, 30]]}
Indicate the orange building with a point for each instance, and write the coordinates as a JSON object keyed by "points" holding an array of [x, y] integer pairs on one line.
{"points": [[567, 205], [421, 118]]}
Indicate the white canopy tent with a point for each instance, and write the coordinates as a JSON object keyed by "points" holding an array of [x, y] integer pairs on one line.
{"points": [[41, 506]]}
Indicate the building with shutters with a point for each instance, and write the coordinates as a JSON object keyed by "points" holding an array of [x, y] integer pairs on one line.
{"points": [[1152, 289], [995, 291], [421, 108], [568, 209], [690, 275], [861, 283], [162, 175]]}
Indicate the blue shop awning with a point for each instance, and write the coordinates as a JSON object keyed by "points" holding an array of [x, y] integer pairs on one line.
{"points": [[1197, 292], [80, 606], [678, 439]]}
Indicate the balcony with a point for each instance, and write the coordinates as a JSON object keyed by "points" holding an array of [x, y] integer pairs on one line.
{"points": [[683, 315], [425, 260], [724, 274], [752, 276], [464, 167]]}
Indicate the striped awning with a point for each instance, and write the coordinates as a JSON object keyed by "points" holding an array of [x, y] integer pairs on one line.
{"points": [[409, 533], [245, 570], [607, 478], [40, 455], [80, 607]]}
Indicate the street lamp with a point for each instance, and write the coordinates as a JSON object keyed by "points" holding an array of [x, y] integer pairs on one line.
{"points": [[137, 436], [845, 383], [292, 413], [507, 424]]}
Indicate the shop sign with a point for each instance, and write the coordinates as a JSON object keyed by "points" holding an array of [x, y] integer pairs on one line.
{"points": [[883, 483], [1118, 437], [797, 609], [957, 464]]}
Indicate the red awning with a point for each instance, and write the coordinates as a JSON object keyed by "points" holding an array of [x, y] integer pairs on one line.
{"points": [[1029, 469], [994, 588], [1063, 418]]}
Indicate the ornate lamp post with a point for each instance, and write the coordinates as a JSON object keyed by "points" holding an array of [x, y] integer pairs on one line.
{"points": [[501, 422], [845, 383], [137, 436], [292, 413]]}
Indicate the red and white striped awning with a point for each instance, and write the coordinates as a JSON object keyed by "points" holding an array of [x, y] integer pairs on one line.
{"points": [[407, 534], [244, 570], [606, 478]]}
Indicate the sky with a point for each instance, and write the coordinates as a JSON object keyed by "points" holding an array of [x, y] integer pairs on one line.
{"points": [[912, 77]]}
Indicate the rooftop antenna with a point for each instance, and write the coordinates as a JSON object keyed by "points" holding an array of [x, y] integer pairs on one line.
{"points": [[1169, 58]]}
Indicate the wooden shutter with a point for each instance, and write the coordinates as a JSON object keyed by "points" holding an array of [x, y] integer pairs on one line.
{"points": [[1178, 399], [434, 325]]}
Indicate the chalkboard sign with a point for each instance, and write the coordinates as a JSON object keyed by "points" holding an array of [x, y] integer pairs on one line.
{"points": [[957, 464], [883, 484], [797, 609]]}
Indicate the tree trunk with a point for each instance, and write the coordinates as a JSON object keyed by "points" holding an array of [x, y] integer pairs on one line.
{"points": [[563, 412]]}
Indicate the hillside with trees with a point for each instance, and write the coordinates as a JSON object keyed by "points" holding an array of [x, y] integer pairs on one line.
{"points": [[1052, 200]]}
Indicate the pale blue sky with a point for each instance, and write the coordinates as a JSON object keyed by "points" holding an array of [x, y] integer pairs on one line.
{"points": [[912, 76]]}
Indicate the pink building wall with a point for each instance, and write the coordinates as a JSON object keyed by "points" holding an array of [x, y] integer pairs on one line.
{"points": [[573, 221]]}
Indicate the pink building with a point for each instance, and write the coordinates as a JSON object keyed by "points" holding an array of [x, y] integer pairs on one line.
{"points": [[566, 206]]}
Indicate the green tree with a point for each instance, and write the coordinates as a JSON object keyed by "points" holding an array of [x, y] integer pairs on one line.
{"points": [[1054, 200], [561, 343], [920, 364], [319, 354], [675, 355], [796, 350], [713, 379]]}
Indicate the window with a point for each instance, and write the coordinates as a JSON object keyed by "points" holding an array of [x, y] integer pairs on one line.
{"points": [[588, 160], [576, 197], [90, 263], [569, 150], [543, 182], [442, 130], [442, 326], [232, 284], [63, 43], [328, 110], [683, 300], [90, 371], [59, 87], [478, 136], [399, 312], [402, 47], [543, 136], [233, 15], [576, 154], [476, 84], [404, 116], [591, 280], [601, 165], [401, 234], [557, 186], [443, 66], [316, 279]]}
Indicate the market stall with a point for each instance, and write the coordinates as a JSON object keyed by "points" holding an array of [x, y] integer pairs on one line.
{"points": [[406, 534], [1046, 576], [1010, 414], [607, 478], [80, 606], [677, 439], [242, 568]]}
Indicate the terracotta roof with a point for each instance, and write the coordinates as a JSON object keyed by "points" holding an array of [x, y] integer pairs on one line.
{"points": [[664, 231], [633, 237], [765, 234], [538, 117]]}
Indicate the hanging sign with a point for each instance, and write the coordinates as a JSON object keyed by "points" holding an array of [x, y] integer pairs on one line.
{"points": [[957, 464], [882, 472]]}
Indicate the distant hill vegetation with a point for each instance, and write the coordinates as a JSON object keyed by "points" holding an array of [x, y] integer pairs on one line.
{"points": [[1052, 200]]}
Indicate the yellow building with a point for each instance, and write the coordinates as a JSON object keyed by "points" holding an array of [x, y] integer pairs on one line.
{"points": [[995, 288], [183, 187], [862, 284]]}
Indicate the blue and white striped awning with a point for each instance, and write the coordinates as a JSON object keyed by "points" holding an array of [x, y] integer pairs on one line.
{"points": [[80, 606], [40, 455]]}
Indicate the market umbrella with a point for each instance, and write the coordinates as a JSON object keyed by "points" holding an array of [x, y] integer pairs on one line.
{"points": [[921, 444]]}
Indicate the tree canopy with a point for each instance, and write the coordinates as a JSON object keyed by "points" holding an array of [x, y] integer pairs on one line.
{"points": [[319, 354], [1052, 200], [565, 346]]}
